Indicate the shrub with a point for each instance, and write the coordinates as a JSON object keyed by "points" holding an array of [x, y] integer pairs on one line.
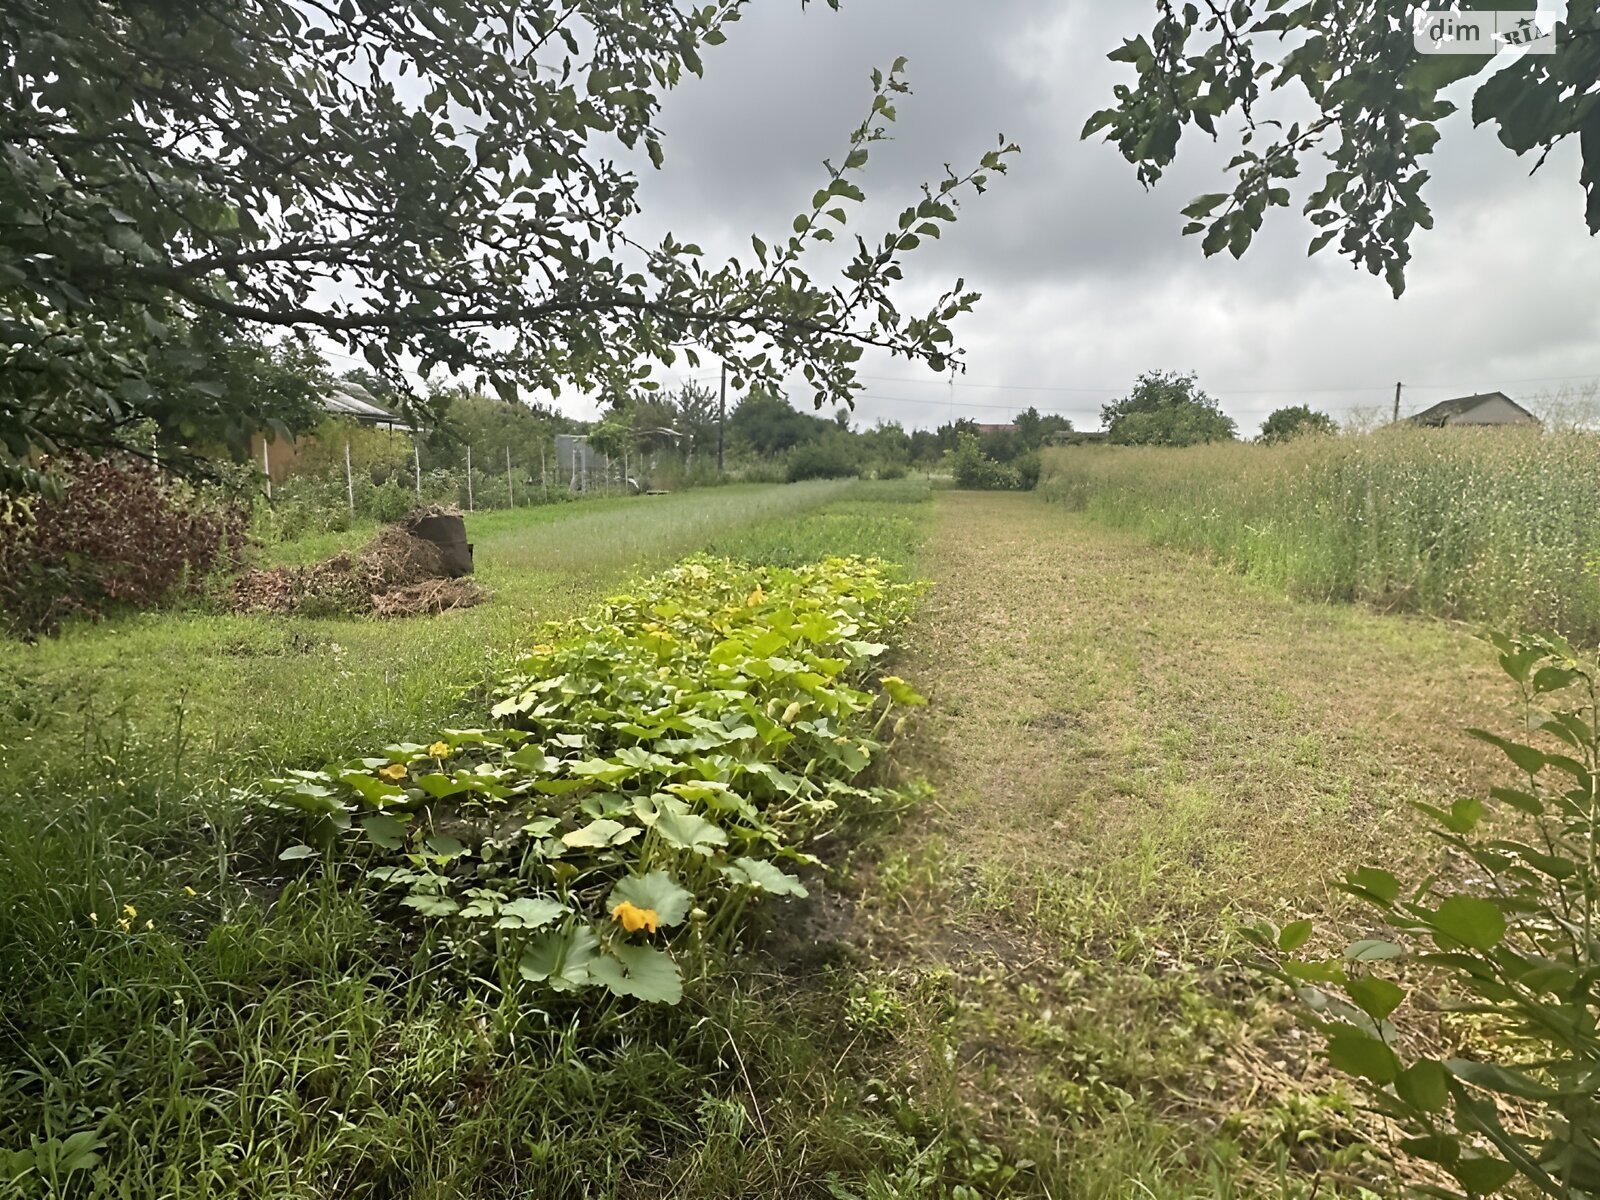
{"points": [[1509, 925], [826, 459], [657, 767], [974, 469], [121, 534]]}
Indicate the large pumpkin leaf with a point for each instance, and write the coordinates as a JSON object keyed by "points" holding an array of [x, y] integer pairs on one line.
{"points": [[688, 831], [657, 892], [562, 958], [641, 972], [764, 877]]}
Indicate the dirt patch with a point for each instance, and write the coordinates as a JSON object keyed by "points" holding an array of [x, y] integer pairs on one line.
{"points": [[394, 575]]}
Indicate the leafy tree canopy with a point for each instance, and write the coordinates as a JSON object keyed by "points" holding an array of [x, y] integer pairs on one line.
{"points": [[430, 183], [1166, 408], [769, 424], [1296, 420], [1376, 102]]}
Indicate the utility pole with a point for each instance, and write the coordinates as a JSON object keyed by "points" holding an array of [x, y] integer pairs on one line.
{"points": [[349, 478], [470, 507], [416, 457], [722, 416], [1397, 388]]}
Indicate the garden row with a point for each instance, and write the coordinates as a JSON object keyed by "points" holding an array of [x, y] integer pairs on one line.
{"points": [[651, 769]]}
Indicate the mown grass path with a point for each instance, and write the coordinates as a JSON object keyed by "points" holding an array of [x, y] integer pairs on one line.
{"points": [[1134, 752]]}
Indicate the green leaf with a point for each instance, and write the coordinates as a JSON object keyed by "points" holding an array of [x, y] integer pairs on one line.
{"points": [[1526, 758], [1424, 1085], [1359, 1054], [1294, 935], [597, 835], [432, 906], [561, 958], [529, 912], [384, 832], [1380, 883], [1375, 997], [296, 853], [641, 972], [902, 692], [1483, 1176], [764, 877], [688, 831], [1469, 921], [1496, 1078], [1369, 950], [657, 891]]}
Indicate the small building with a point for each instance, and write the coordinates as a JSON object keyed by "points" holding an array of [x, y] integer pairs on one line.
{"points": [[985, 429], [576, 461], [1486, 408], [277, 457]]}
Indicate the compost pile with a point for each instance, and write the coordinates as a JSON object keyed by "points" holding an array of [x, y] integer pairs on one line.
{"points": [[397, 574]]}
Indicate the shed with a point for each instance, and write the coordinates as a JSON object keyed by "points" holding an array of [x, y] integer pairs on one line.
{"points": [[344, 399], [1486, 408]]}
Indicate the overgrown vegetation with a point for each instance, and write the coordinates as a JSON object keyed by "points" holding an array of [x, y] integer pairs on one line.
{"points": [[1493, 525], [115, 534], [1505, 932], [178, 1016], [660, 761]]}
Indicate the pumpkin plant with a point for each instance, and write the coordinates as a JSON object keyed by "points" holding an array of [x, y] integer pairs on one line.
{"points": [[1509, 928], [652, 768]]}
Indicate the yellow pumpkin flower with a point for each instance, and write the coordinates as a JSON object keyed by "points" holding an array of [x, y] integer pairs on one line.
{"points": [[633, 918], [394, 772], [129, 911], [756, 597], [440, 750], [544, 648]]}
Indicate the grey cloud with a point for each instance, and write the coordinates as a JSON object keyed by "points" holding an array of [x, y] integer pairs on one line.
{"points": [[1086, 278]]}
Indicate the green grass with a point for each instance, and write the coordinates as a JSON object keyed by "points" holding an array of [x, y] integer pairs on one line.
{"points": [[1491, 525], [290, 691], [223, 1035]]}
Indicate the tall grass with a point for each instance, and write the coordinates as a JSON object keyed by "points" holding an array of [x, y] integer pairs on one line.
{"points": [[1494, 525], [215, 1035]]}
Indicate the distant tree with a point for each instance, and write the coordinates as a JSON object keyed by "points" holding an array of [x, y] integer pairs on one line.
{"points": [[1003, 445], [769, 424], [697, 418], [1296, 420], [1035, 428], [1166, 408]]}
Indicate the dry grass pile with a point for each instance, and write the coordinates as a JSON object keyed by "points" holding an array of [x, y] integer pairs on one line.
{"points": [[394, 575]]}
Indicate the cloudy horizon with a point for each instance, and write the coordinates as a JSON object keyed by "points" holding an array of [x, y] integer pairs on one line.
{"points": [[1086, 279]]}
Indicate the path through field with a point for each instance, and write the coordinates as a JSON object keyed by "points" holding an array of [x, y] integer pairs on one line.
{"points": [[1133, 751]]}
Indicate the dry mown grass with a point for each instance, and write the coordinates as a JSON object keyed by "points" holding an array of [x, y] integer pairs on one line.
{"points": [[1133, 754]]}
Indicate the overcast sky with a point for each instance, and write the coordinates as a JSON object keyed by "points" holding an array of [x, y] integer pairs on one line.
{"points": [[1086, 279]]}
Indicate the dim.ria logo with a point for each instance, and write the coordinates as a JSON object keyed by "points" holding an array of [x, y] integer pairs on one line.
{"points": [[1485, 31]]}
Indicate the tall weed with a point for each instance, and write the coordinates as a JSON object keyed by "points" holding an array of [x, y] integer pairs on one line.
{"points": [[1494, 525]]}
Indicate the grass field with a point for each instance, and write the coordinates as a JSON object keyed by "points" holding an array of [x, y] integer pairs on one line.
{"points": [[1030, 990], [1490, 525]]}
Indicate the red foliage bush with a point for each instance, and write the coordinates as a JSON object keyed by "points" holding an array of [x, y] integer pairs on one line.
{"points": [[122, 534]]}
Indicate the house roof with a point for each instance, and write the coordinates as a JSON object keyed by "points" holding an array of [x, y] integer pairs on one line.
{"points": [[352, 400], [1443, 412]]}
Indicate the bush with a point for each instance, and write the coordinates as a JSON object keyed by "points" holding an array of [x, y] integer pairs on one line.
{"points": [[826, 459], [121, 534], [1509, 928], [975, 469]]}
